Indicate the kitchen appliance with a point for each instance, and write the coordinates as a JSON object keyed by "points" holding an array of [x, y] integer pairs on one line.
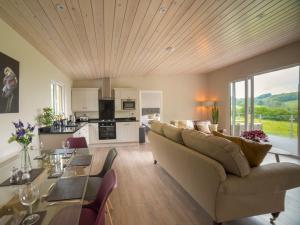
{"points": [[83, 118], [128, 104], [72, 118], [106, 109], [107, 123], [107, 129]]}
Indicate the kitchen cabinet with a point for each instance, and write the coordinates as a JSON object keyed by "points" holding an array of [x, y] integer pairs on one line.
{"points": [[126, 93], [127, 131], [84, 99], [83, 132], [93, 133]]}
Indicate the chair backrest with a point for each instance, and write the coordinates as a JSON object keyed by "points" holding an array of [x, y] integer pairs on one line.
{"points": [[108, 184], [77, 142], [111, 155]]}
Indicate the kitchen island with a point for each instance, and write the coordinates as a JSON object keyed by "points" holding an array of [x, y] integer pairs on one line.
{"points": [[53, 138]]}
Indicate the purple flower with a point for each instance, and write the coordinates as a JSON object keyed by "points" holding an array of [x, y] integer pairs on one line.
{"points": [[255, 135], [21, 124], [16, 125], [21, 133]]}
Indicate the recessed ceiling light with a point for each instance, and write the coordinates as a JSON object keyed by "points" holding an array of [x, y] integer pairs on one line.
{"points": [[261, 15], [60, 7], [162, 9], [170, 49]]}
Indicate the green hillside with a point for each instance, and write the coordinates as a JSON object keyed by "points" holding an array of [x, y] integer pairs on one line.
{"points": [[273, 107]]}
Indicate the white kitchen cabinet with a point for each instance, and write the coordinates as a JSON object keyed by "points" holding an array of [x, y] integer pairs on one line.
{"points": [[127, 131], [83, 132], [93, 133], [118, 104], [84, 99], [126, 93]]}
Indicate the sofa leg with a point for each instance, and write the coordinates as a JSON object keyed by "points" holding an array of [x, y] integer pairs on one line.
{"points": [[155, 161], [216, 223], [274, 217]]}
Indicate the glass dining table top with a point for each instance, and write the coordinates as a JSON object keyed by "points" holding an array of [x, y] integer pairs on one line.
{"points": [[12, 211]]}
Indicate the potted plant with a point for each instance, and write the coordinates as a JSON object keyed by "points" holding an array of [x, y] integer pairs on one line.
{"points": [[215, 117], [23, 136], [46, 118]]}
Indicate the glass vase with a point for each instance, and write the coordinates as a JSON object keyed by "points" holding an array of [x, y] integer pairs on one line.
{"points": [[25, 163]]}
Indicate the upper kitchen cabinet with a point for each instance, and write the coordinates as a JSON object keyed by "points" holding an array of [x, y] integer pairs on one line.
{"points": [[126, 93], [84, 99]]}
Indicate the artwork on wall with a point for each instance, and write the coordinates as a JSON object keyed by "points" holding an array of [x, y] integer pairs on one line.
{"points": [[9, 84]]}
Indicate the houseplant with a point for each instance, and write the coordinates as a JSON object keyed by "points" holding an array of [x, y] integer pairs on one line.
{"points": [[255, 135], [46, 118], [23, 136], [215, 117]]}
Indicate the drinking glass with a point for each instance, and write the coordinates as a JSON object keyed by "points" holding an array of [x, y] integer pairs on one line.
{"points": [[28, 194], [65, 145]]}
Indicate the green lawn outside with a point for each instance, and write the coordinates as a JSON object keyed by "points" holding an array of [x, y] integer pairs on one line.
{"points": [[280, 128]]}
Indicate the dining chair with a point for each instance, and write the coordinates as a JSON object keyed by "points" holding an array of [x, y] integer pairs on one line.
{"points": [[95, 181], [77, 142], [94, 212]]}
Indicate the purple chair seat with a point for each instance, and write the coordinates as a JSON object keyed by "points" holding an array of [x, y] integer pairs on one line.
{"points": [[88, 217], [77, 142]]}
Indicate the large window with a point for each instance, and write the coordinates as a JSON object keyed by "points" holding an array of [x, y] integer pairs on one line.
{"points": [[268, 102], [58, 97]]}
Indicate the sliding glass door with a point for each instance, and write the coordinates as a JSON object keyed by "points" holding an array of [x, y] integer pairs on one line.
{"points": [[268, 102]]}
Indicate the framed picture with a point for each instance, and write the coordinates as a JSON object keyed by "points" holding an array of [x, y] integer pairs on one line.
{"points": [[9, 84]]}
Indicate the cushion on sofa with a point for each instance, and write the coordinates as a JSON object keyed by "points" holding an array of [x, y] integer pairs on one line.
{"points": [[156, 126], [173, 133], [203, 126], [255, 152], [224, 151]]}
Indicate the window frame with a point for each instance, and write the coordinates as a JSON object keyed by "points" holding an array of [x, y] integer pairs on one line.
{"points": [[53, 87]]}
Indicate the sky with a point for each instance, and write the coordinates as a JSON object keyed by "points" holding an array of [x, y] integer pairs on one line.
{"points": [[277, 82]]}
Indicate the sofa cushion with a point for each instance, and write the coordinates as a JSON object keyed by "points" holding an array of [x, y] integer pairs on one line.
{"points": [[224, 151], [173, 133], [203, 126], [255, 152], [156, 126]]}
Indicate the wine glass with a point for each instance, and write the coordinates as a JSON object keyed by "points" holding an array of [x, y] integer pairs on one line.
{"points": [[28, 194], [65, 145]]}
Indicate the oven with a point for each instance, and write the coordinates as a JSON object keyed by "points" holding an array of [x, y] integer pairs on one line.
{"points": [[128, 104], [107, 130]]}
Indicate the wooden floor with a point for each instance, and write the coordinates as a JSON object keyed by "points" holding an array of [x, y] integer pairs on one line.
{"points": [[147, 195]]}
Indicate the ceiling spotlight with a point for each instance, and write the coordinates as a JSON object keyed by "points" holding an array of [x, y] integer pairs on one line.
{"points": [[170, 49], [60, 7], [162, 9], [261, 15]]}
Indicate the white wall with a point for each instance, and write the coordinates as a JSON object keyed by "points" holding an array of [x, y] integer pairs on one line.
{"points": [[36, 72], [219, 80], [180, 92], [151, 99]]}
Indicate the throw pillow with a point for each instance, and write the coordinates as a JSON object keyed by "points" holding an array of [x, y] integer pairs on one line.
{"points": [[203, 126], [255, 152], [173, 133]]}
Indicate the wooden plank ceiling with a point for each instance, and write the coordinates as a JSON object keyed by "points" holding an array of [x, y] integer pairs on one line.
{"points": [[111, 38]]}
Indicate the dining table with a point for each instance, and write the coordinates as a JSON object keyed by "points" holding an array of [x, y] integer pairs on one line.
{"points": [[55, 168]]}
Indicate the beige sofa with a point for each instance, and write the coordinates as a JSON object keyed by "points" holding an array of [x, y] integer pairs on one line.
{"points": [[224, 195]]}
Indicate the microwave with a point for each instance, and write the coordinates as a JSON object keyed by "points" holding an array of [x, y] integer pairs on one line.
{"points": [[128, 104]]}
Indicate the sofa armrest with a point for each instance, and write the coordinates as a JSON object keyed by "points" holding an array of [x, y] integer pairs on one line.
{"points": [[270, 178]]}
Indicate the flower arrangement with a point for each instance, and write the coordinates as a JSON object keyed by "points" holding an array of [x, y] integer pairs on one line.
{"points": [[23, 135], [255, 135]]}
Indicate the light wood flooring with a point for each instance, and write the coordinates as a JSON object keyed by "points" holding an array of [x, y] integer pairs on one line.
{"points": [[147, 195]]}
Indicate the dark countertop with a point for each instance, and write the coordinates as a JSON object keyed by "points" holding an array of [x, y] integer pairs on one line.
{"points": [[62, 130], [126, 120]]}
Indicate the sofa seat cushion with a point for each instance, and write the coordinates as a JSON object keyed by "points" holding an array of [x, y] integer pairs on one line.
{"points": [[224, 151], [157, 126], [270, 178], [173, 133], [255, 152]]}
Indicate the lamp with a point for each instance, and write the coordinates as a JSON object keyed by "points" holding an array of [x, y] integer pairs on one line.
{"points": [[206, 103]]}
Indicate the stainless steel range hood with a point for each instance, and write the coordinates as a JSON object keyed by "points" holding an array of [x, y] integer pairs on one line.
{"points": [[106, 88]]}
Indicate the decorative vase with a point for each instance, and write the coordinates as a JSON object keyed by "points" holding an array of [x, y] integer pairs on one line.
{"points": [[214, 127], [25, 162]]}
